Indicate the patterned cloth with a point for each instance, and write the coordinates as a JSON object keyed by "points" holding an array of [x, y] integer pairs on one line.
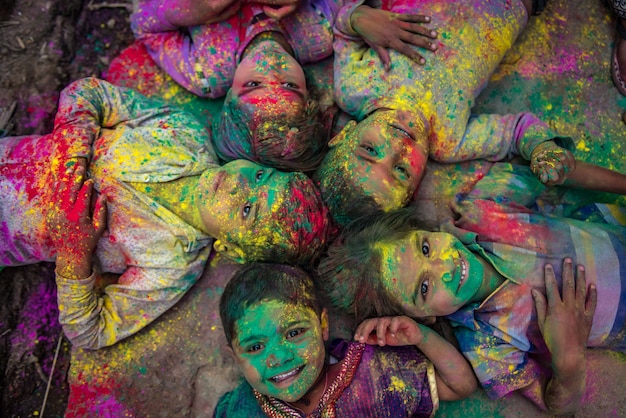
{"points": [[203, 58], [619, 7], [373, 382], [136, 145], [500, 336], [473, 38]]}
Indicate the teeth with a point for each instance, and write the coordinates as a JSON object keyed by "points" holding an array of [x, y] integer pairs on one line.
{"points": [[286, 375], [463, 269]]}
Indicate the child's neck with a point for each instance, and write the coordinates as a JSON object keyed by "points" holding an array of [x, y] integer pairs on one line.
{"points": [[275, 37], [491, 282], [310, 401]]}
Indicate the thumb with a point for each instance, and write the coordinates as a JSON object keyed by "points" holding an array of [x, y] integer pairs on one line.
{"points": [[100, 215], [540, 305]]}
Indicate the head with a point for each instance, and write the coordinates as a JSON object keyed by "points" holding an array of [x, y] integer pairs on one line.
{"points": [[258, 213], [276, 328], [380, 160], [390, 264], [268, 116]]}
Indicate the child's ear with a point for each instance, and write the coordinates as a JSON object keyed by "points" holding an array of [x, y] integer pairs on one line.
{"points": [[324, 322], [230, 251], [342, 135]]}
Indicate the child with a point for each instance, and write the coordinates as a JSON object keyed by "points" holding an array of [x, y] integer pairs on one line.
{"points": [[268, 114], [276, 328], [483, 273], [168, 204], [408, 113]]}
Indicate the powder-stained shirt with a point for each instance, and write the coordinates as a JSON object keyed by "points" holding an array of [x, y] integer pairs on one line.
{"points": [[473, 38], [500, 336], [203, 58], [373, 382], [134, 143]]}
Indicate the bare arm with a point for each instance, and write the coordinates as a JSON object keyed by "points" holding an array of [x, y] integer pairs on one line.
{"points": [[593, 177], [454, 376]]}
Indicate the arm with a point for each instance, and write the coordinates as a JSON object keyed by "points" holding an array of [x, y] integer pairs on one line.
{"points": [[160, 268], [88, 105], [454, 376], [593, 177], [565, 324]]}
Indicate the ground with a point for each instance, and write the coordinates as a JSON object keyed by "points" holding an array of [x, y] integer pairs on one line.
{"points": [[559, 69]]}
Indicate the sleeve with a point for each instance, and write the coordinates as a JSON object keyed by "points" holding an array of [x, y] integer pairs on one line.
{"points": [[172, 48], [89, 104], [494, 138], [500, 367], [161, 265]]}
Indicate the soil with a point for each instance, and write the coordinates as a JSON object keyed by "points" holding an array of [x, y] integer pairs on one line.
{"points": [[44, 45]]}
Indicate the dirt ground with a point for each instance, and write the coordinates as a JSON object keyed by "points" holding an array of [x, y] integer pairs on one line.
{"points": [[44, 44]]}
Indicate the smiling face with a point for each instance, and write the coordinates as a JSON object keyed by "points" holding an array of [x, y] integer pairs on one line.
{"points": [[237, 201], [434, 274], [279, 348], [385, 155], [271, 80]]}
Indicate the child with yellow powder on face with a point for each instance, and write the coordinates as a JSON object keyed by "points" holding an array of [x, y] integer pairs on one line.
{"points": [[269, 115], [407, 113], [276, 328], [166, 201]]}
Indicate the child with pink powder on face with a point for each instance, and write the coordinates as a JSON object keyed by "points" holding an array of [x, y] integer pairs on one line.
{"points": [[268, 115]]}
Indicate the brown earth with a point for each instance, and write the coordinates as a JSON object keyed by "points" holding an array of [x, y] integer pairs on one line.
{"points": [[44, 44]]}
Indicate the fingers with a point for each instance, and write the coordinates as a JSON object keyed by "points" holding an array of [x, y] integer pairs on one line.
{"points": [[412, 18], [569, 288], [586, 298], [540, 305], [417, 29], [364, 331], [383, 54], [100, 215], [552, 289]]}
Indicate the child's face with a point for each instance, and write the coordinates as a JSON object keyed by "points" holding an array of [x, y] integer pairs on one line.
{"points": [[386, 155], [279, 348], [431, 273], [269, 78], [240, 197]]}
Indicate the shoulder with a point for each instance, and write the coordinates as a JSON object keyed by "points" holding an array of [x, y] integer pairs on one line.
{"points": [[240, 402]]}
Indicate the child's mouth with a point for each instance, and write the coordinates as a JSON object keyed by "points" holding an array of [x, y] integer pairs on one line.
{"points": [[463, 273], [279, 378]]}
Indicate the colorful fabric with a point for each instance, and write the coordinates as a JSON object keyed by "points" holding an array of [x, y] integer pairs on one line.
{"points": [[473, 38], [203, 58], [500, 337], [136, 146], [373, 381]]}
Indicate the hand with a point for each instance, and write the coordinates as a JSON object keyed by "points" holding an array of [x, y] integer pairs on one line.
{"points": [[389, 330], [551, 163], [381, 29], [565, 322], [74, 234], [185, 13]]}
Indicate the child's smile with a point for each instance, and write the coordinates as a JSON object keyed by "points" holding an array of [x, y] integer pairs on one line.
{"points": [[280, 348]]}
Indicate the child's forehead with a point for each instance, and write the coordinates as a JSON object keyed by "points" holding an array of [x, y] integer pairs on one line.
{"points": [[274, 311]]}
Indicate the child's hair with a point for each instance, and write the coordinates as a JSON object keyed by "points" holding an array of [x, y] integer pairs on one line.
{"points": [[343, 195], [286, 143], [299, 228], [258, 282], [351, 273]]}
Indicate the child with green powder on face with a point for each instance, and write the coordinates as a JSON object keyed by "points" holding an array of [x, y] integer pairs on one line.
{"points": [[277, 327], [166, 201], [488, 272], [407, 113], [255, 60]]}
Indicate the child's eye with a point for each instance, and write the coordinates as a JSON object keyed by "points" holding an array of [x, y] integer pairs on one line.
{"points": [[252, 84], [402, 131], [425, 248], [259, 175], [424, 288], [254, 347], [246, 210], [294, 332], [369, 149], [401, 170], [290, 85]]}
